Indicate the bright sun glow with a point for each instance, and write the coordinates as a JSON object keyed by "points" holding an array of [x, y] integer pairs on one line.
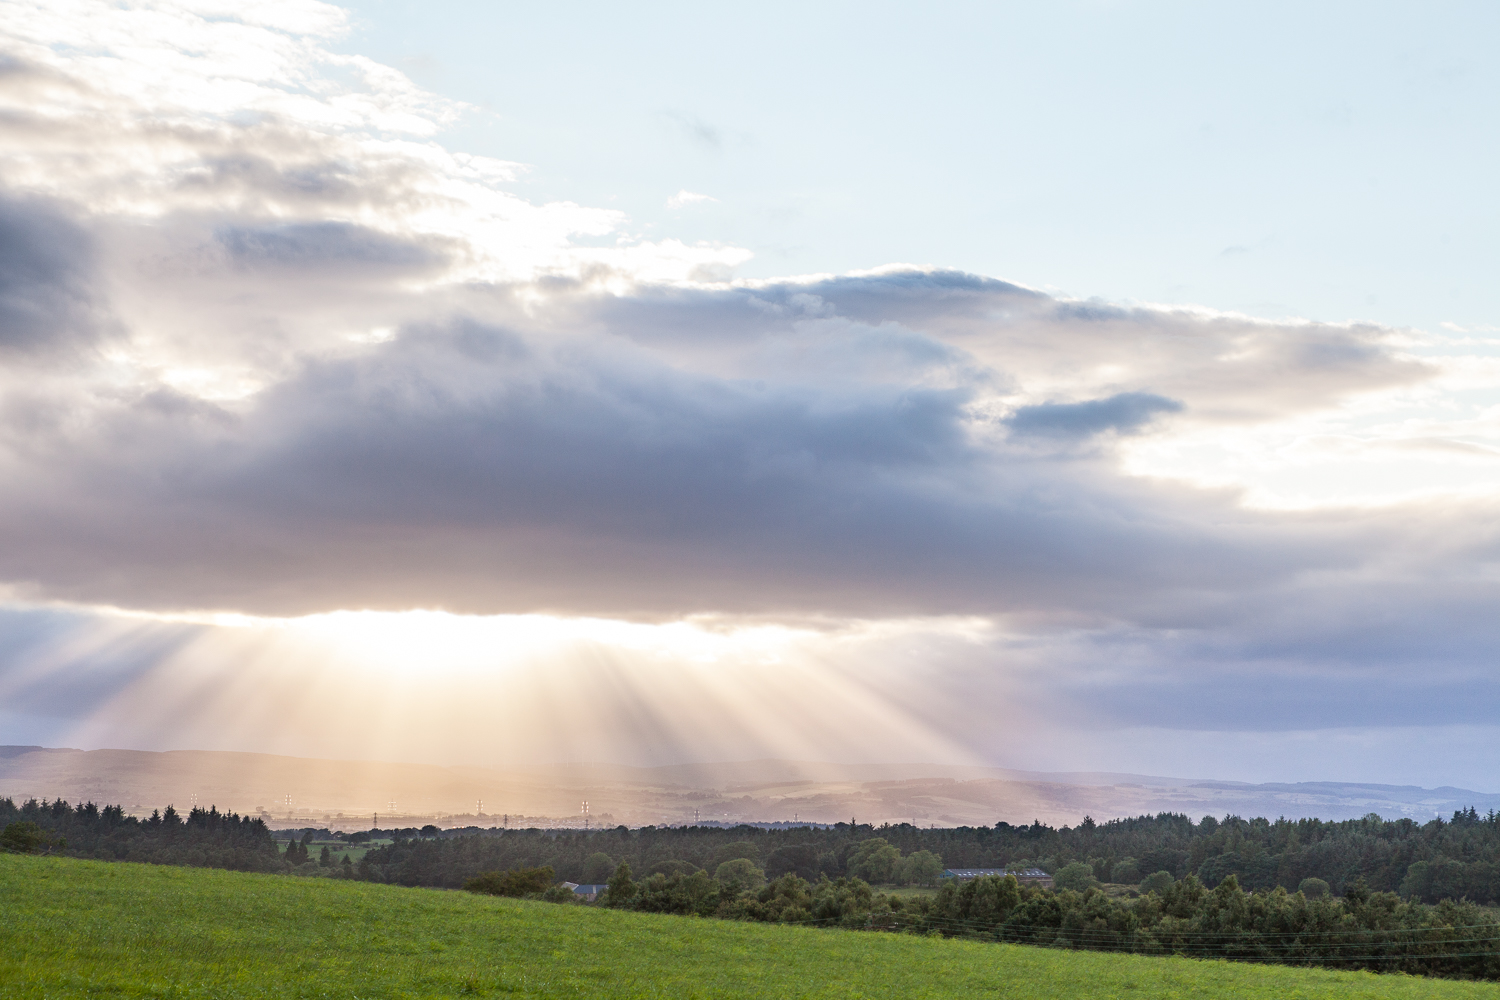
{"points": [[420, 684], [418, 641]]}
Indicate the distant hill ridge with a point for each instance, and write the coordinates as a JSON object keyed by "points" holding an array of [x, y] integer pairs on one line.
{"points": [[352, 793]]}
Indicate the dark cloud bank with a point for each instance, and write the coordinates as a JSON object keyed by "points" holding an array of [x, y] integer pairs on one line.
{"points": [[865, 446], [790, 449], [48, 301]]}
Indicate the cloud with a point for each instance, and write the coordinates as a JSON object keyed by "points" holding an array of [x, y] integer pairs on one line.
{"points": [[685, 197], [272, 350], [47, 280], [159, 112], [328, 246], [751, 450], [573, 429], [1124, 413]]}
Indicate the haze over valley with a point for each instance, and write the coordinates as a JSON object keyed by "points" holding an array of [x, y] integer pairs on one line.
{"points": [[292, 792]]}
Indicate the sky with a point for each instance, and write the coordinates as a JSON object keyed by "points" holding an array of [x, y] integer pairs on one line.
{"points": [[1098, 386]]}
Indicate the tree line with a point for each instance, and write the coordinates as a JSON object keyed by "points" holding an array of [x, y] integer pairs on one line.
{"points": [[205, 838], [1426, 862], [1457, 858], [1378, 931]]}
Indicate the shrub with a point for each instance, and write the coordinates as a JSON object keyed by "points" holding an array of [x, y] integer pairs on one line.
{"points": [[1077, 876], [25, 837], [559, 894], [987, 899], [685, 894], [787, 900], [1158, 882], [874, 860], [516, 882], [920, 867], [739, 875]]}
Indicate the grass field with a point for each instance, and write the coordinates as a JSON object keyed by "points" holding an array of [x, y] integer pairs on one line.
{"points": [[337, 848], [91, 929]]}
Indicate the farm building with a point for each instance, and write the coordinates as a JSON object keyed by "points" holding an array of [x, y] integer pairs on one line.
{"points": [[589, 893], [1035, 876]]}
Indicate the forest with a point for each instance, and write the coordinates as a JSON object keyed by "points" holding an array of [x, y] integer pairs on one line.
{"points": [[1441, 859], [205, 838], [1369, 930], [1457, 858]]}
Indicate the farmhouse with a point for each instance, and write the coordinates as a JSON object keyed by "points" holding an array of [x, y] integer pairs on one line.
{"points": [[1035, 876], [588, 892]]}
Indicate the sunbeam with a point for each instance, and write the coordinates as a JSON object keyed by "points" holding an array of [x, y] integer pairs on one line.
{"points": [[433, 686]]}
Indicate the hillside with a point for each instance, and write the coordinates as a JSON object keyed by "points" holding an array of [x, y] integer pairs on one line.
{"points": [[348, 794], [79, 928]]}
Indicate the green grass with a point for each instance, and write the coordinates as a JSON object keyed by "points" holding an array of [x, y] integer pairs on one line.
{"points": [[91, 929], [336, 847]]}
